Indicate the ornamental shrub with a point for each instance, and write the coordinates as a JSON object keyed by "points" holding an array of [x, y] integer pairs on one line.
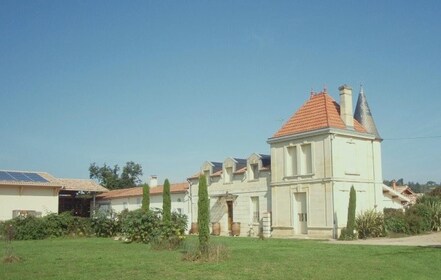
{"points": [[29, 227], [370, 224], [433, 203]]}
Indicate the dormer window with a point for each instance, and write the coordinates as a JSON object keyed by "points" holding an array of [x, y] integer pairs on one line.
{"points": [[228, 176], [254, 171]]}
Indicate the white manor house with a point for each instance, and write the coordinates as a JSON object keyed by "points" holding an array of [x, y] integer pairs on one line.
{"points": [[303, 185]]}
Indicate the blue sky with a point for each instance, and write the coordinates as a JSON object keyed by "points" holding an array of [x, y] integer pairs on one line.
{"points": [[170, 84]]}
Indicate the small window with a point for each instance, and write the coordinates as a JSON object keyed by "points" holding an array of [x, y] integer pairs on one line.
{"points": [[179, 210], [255, 209], [254, 171], [306, 159], [228, 176], [291, 161], [138, 200]]}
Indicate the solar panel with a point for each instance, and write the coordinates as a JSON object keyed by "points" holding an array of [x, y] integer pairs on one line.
{"points": [[21, 176], [4, 176], [35, 177]]}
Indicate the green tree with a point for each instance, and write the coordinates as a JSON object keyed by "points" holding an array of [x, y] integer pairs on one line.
{"points": [[351, 210], [145, 197], [110, 178], [166, 201], [203, 215]]}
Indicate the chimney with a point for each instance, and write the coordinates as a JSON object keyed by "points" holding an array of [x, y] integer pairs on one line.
{"points": [[394, 184], [346, 105], [153, 181]]}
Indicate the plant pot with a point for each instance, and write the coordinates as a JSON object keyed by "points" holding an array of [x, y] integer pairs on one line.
{"points": [[194, 228], [215, 229], [235, 229]]}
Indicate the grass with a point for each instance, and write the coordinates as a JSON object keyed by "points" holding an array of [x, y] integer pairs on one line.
{"points": [[100, 258]]}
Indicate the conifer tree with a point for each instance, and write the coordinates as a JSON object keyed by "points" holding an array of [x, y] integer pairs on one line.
{"points": [[203, 215], [350, 226], [146, 197], [166, 202]]}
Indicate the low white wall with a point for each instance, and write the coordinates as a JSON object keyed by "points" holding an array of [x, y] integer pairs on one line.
{"points": [[32, 198]]}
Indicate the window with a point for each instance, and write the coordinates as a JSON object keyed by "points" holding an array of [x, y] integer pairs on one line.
{"points": [[228, 176], [291, 161], [179, 210], [254, 171], [138, 200], [255, 209], [306, 159]]}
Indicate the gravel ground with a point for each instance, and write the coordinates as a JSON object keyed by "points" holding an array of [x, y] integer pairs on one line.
{"points": [[431, 239]]}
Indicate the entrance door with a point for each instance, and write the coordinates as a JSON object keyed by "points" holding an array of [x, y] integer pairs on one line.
{"points": [[230, 214], [300, 214]]}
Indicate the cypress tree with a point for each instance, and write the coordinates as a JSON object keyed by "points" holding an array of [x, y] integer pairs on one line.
{"points": [[203, 215], [146, 197], [166, 202], [350, 226]]}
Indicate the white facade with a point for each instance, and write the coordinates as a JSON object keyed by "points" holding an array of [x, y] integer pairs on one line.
{"points": [[238, 190], [131, 199], [313, 198], [22, 199]]}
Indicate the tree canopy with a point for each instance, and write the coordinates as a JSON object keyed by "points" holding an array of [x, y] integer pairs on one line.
{"points": [[111, 178]]}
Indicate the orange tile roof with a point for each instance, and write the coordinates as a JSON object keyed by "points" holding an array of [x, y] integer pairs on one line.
{"points": [[137, 191], [320, 111]]}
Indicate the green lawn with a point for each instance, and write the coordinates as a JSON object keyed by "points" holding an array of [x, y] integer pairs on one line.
{"points": [[99, 258]]}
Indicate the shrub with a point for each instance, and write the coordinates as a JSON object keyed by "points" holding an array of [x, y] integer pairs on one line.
{"points": [[106, 224], [370, 224], [30, 227], [148, 227], [141, 225], [433, 203], [395, 220], [418, 218], [57, 224]]}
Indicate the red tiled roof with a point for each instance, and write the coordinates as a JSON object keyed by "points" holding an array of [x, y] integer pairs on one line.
{"points": [[137, 191], [320, 111]]}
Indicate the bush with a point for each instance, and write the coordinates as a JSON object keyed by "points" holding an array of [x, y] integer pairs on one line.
{"points": [[148, 227], [418, 218], [370, 224], [433, 203], [395, 221], [27, 228], [106, 224]]}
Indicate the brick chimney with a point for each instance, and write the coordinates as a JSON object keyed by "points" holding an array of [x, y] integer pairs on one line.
{"points": [[346, 105], [153, 181]]}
